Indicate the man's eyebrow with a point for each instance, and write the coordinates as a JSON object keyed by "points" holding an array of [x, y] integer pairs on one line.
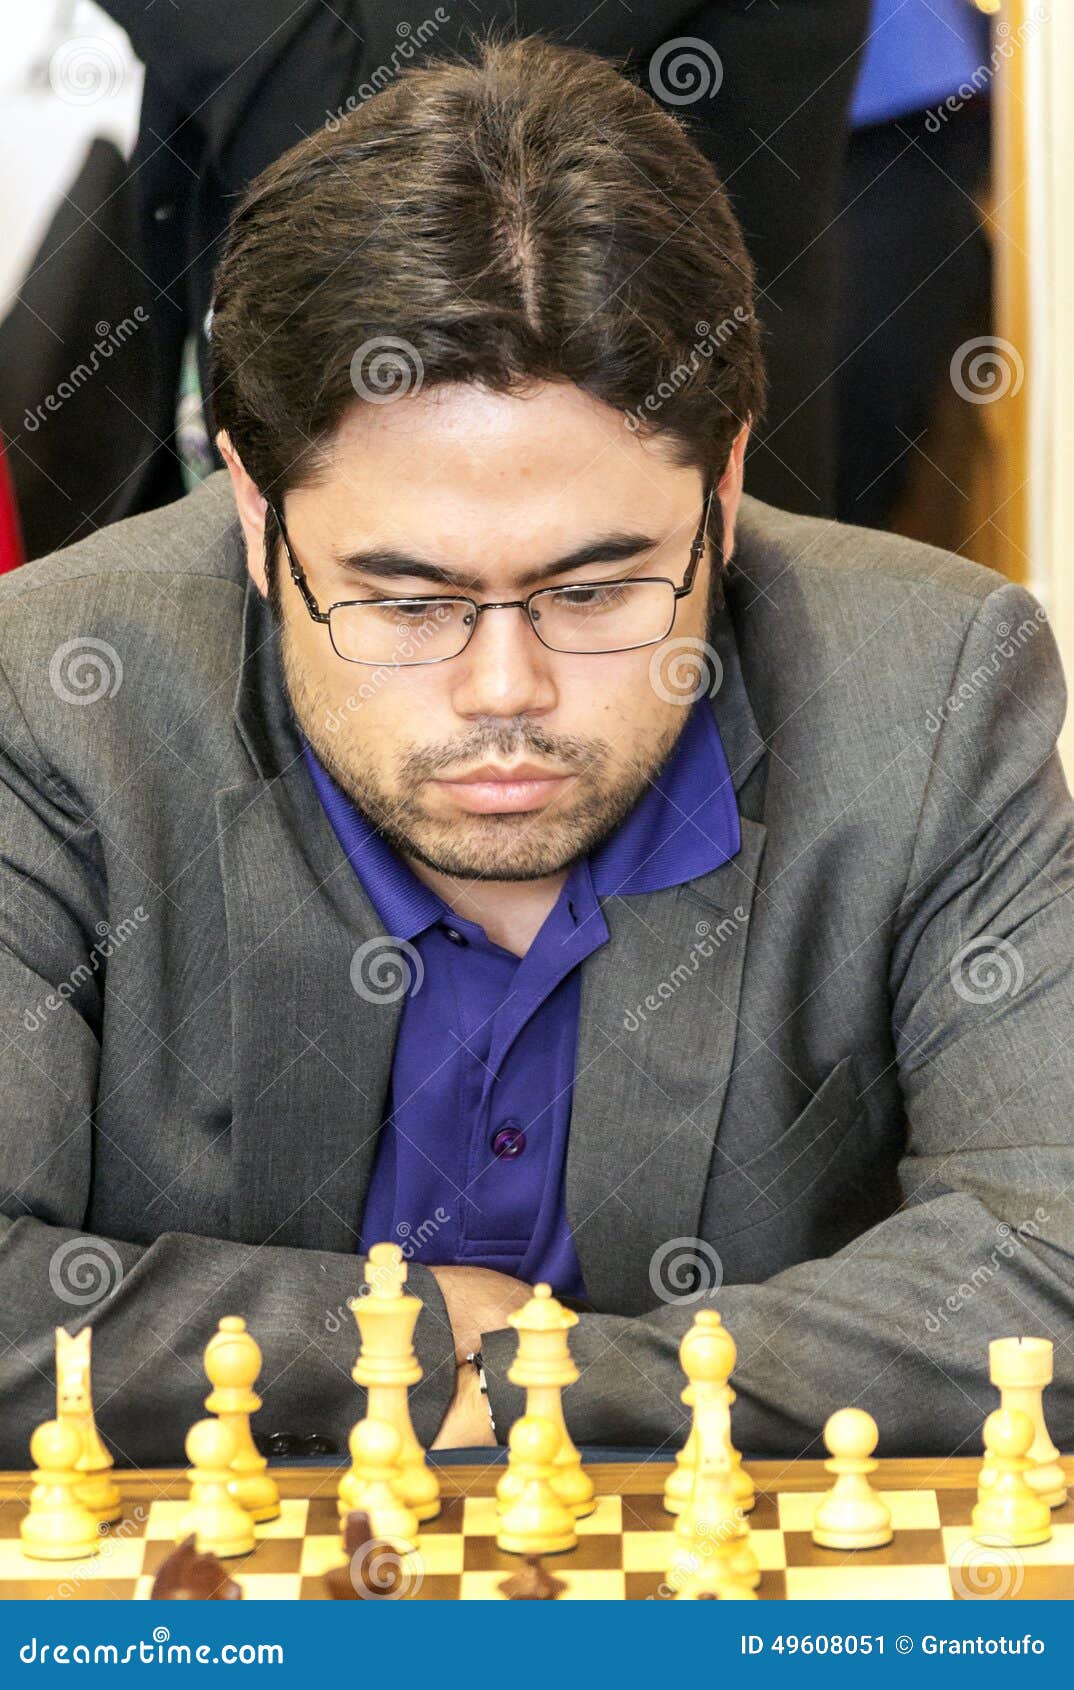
{"points": [[388, 565]]}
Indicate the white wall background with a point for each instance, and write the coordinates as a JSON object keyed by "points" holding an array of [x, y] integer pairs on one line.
{"points": [[1049, 119]]}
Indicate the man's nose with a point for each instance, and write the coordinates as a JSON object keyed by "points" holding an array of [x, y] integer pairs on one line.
{"points": [[504, 671]]}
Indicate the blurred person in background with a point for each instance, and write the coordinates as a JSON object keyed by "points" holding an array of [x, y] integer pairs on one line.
{"points": [[914, 260], [765, 92]]}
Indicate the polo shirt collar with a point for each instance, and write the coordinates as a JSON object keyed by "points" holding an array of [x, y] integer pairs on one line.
{"points": [[685, 824]]}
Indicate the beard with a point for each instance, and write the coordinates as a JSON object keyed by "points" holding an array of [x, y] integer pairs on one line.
{"points": [[509, 846]]}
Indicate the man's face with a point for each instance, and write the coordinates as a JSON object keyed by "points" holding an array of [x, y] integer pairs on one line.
{"points": [[492, 489]]}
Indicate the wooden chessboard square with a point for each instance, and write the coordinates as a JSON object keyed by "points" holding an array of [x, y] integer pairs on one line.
{"points": [[645, 1552], [956, 1506], [269, 1555], [910, 1510], [11, 1512], [1001, 1584], [956, 1509], [596, 1584], [89, 1590], [645, 1514], [293, 1520], [449, 1518], [322, 1520], [764, 1515], [481, 1518], [482, 1556], [444, 1553], [653, 1586], [256, 1587], [436, 1555], [1057, 1552], [320, 1552], [436, 1587], [856, 1582], [116, 1561], [164, 1520], [908, 1548]]}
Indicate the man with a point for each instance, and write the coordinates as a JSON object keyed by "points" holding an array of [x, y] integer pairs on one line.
{"points": [[471, 820]]}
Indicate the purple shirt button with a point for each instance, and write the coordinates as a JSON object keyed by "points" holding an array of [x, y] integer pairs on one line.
{"points": [[508, 1142]]}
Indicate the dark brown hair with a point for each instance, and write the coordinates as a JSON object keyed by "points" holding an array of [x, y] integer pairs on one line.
{"points": [[532, 215]]}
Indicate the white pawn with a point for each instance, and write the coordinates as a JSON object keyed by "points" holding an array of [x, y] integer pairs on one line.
{"points": [[58, 1526], [371, 1484], [219, 1524], [1009, 1511], [535, 1520], [851, 1515], [232, 1363]]}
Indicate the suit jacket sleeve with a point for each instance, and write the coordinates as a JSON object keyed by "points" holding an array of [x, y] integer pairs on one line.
{"points": [[982, 1018], [152, 1307]]}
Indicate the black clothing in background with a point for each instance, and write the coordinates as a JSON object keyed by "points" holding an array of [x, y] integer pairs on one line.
{"points": [[226, 94], [915, 277]]}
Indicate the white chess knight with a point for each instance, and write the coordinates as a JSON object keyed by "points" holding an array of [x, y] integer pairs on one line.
{"points": [[851, 1515]]}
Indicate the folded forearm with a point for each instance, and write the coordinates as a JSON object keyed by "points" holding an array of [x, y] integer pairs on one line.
{"points": [[897, 1323], [154, 1308]]}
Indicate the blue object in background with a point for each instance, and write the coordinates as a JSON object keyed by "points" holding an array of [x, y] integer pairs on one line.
{"points": [[917, 52]]}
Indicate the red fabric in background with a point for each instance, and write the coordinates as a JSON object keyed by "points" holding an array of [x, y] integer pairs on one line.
{"points": [[11, 554]]}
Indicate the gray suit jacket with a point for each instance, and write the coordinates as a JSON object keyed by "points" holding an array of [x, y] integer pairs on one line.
{"points": [[836, 1072]]}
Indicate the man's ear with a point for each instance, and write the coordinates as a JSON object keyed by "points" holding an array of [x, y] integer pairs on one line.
{"points": [[251, 507], [729, 487]]}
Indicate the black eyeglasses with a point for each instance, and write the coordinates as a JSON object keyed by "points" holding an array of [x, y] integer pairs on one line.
{"points": [[587, 617]]}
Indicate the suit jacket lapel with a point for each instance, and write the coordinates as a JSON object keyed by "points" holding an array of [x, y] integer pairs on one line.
{"points": [[311, 1058], [656, 1044]]}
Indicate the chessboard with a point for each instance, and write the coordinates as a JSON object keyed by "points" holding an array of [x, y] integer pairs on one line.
{"points": [[624, 1548]]}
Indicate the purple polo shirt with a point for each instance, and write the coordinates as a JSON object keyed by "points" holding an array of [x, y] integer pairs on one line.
{"points": [[479, 1107]]}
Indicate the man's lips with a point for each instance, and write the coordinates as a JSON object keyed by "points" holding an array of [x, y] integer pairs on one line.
{"points": [[492, 787]]}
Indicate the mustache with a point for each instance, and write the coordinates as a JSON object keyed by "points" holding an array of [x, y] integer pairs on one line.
{"points": [[566, 751]]}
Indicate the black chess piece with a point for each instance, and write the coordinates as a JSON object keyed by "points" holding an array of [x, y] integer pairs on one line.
{"points": [[373, 1569], [532, 1583], [189, 1574]]}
